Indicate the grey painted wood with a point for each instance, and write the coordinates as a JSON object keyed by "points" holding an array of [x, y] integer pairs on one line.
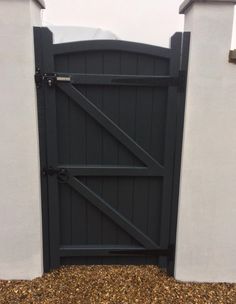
{"points": [[110, 126], [110, 46], [117, 145]]}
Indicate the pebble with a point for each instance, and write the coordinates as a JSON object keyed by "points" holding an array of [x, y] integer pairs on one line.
{"points": [[113, 285]]}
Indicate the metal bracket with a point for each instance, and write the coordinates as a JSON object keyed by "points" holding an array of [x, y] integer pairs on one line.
{"points": [[49, 171], [62, 174], [50, 78], [38, 78]]}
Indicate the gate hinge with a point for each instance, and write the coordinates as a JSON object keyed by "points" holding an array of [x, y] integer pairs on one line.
{"points": [[38, 77], [49, 171], [61, 173]]}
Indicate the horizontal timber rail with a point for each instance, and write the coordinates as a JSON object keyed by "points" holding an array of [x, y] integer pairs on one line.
{"points": [[111, 45], [117, 250], [102, 171], [112, 80], [111, 171]]}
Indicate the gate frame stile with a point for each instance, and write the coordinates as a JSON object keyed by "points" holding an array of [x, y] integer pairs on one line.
{"points": [[48, 153], [184, 59], [169, 150], [44, 59]]}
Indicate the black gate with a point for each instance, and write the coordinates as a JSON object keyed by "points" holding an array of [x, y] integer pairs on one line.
{"points": [[110, 125]]}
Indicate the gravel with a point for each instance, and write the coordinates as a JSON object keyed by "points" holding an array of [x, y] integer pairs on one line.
{"points": [[113, 284]]}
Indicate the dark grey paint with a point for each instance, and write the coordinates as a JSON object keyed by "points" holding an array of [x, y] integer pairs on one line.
{"points": [[113, 149]]}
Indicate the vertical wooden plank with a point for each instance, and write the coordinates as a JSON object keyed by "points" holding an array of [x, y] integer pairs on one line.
{"points": [[128, 100], [144, 108], [178, 147], [170, 142], [50, 110], [154, 213], [63, 141], [159, 109], [94, 64], [161, 67], [43, 150], [77, 63], [156, 149], [110, 106]]}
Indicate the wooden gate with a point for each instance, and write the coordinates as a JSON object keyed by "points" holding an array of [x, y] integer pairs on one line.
{"points": [[110, 126]]}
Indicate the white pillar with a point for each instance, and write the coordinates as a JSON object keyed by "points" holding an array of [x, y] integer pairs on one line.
{"points": [[206, 237], [20, 204]]}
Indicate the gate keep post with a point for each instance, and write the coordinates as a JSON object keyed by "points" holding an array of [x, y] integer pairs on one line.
{"points": [[20, 203], [206, 242]]}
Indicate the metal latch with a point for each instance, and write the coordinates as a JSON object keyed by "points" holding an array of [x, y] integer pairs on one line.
{"points": [[53, 78], [62, 174], [39, 78], [50, 78]]}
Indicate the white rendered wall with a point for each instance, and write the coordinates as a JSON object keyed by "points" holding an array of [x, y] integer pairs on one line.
{"points": [[20, 205], [206, 238], [152, 21]]}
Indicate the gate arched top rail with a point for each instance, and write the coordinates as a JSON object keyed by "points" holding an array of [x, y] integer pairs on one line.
{"points": [[111, 45]]}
